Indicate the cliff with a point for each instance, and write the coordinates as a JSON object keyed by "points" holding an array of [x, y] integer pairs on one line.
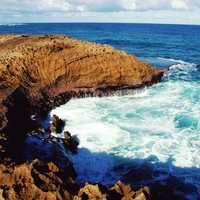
{"points": [[46, 66], [40, 72]]}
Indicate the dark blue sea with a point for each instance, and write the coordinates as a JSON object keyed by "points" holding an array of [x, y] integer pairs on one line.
{"points": [[149, 138]]}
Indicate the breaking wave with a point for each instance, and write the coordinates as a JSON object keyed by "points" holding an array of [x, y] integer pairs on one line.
{"points": [[158, 128]]}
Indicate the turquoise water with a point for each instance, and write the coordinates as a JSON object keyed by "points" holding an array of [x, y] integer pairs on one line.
{"points": [[156, 130], [149, 138]]}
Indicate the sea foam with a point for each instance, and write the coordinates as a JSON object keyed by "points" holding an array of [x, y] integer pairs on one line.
{"points": [[159, 125]]}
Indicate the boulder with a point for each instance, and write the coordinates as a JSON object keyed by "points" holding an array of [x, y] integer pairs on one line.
{"points": [[71, 143], [56, 125]]}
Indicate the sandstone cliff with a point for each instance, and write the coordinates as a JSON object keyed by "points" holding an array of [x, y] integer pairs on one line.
{"points": [[40, 72], [46, 66]]}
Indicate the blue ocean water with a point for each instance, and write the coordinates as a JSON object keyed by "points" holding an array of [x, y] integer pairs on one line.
{"points": [[147, 138]]}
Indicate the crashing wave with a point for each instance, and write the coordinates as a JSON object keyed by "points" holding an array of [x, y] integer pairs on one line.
{"points": [[154, 133]]}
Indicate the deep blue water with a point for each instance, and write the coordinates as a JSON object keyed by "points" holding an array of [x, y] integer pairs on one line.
{"points": [[143, 40], [155, 133]]}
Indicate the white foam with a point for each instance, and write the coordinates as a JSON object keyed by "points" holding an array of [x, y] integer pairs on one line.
{"points": [[175, 61], [163, 122]]}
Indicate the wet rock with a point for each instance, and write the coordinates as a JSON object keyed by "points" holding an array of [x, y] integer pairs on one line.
{"points": [[57, 124], [71, 143]]}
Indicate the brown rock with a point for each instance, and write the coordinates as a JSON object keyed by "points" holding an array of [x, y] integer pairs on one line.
{"points": [[90, 192], [118, 192], [35, 180], [124, 192], [52, 68], [40, 72]]}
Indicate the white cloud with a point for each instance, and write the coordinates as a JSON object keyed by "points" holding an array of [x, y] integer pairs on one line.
{"points": [[128, 4], [42, 9], [179, 4], [49, 5], [96, 5]]}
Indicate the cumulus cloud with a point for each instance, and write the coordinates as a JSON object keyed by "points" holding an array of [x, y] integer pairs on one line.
{"points": [[97, 5], [180, 4], [63, 8]]}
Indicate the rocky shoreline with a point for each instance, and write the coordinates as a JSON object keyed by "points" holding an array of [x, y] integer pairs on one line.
{"points": [[38, 73]]}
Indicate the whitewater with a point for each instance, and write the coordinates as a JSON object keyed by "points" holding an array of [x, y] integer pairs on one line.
{"points": [[156, 130], [147, 138]]}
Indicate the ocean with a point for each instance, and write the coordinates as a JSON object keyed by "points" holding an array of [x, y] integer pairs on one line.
{"points": [[152, 137]]}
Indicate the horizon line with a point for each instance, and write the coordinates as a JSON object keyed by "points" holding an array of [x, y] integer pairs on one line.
{"points": [[88, 22]]}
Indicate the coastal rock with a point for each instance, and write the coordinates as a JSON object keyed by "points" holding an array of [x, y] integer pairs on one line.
{"points": [[36, 180], [38, 73], [70, 142], [90, 192], [118, 192], [57, 124], [50, 69], [125, 192]]}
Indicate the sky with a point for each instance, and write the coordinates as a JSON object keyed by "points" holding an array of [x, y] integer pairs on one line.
{"points": [[130, 11]]}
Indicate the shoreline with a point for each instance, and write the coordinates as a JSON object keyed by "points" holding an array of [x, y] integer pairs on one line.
{"points": [[37, 75]]}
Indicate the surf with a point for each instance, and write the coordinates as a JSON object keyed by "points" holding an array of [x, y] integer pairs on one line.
{"points": [[160, 124]]}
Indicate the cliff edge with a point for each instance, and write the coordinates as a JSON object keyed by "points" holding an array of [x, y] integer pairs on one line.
{"points": [[38, 73], [46, 66]]}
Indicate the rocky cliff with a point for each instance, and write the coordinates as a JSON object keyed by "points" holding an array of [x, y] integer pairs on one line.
{"points": [[40, 72], [48, 66]]}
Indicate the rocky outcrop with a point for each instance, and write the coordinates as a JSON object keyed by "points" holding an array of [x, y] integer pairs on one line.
{"points": [[38, 73], [36, 180], [50, 69], [57, 125], [118, 192], [70, 142], [46, 181]]}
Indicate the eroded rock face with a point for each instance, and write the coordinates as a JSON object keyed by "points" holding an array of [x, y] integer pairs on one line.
{"points": [[38, 73], [36, 180], [119, 191], [49, 69]]}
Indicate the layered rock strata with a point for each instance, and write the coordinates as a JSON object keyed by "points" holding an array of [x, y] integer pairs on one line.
{"points": [[38, 73], [50, 69]]}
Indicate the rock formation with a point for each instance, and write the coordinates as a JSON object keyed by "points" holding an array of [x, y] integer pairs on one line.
{"points": [[36, 180], [70, 142], [57, 124], [38, 73], [50, 68], [118, 192]]}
